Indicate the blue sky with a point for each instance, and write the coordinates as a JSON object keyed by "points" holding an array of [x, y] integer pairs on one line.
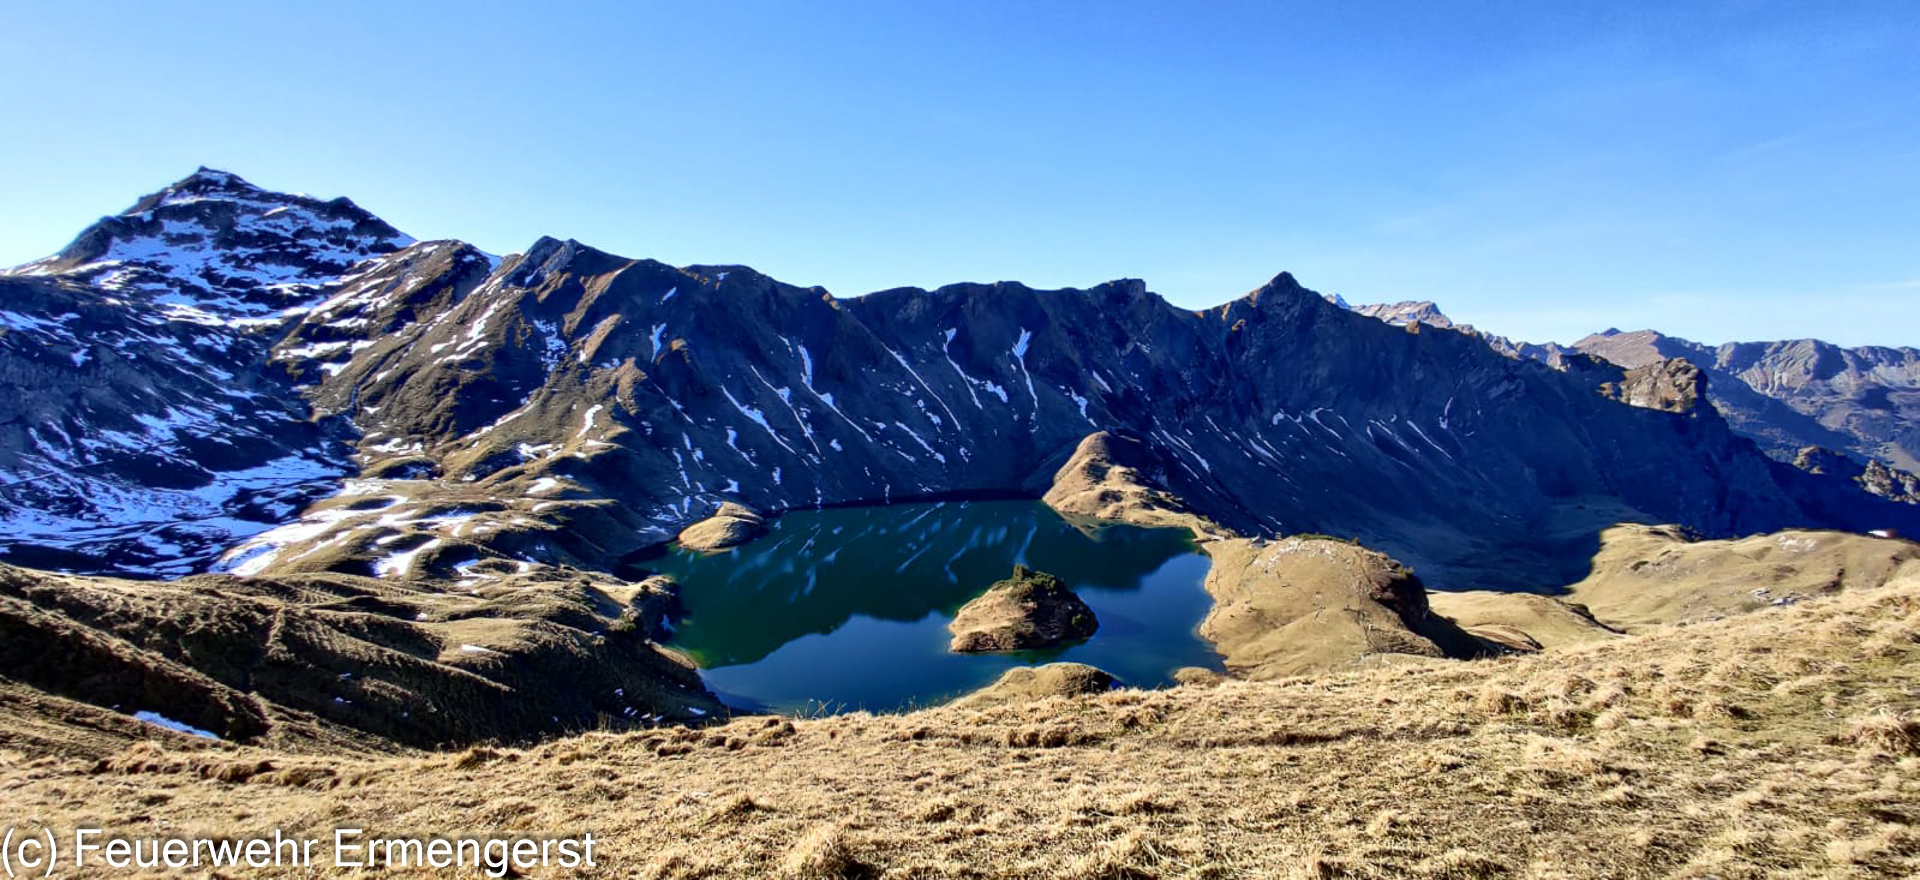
{"points": [[1717, 170]]}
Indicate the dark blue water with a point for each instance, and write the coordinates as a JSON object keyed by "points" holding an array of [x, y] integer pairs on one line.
{"points": [[844, 609]]}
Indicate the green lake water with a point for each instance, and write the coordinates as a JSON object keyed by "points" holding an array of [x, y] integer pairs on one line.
{"points": [[846, 608]]}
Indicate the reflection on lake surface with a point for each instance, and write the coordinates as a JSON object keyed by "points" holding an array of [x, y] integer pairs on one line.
{"points": [[847, 608]]}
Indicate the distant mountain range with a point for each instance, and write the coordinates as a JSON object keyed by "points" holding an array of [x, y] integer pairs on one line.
{"points": [[225, 377], [1848, 411]]}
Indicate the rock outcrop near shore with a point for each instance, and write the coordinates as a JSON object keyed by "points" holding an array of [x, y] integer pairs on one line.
{"points": [[730, 526], [1309, 604], [1115, 478]]}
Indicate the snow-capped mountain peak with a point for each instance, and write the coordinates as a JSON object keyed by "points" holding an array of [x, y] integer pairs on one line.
{"points": [[1401, 314], [144, 430], [213, 249]]}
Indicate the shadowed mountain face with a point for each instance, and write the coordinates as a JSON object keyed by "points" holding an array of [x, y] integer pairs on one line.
{"points": [[1794, 394], [1851, 412], [569, 406]]}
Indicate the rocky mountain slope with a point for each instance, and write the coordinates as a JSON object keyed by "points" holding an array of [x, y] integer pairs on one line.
{"points": [[1794, 394], [1852, 412], [567, 407], [140, 429], [1427, 313]]}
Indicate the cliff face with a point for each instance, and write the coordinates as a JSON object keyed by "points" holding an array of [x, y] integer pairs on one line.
{"points": [[569, 406], [1673, 385]]}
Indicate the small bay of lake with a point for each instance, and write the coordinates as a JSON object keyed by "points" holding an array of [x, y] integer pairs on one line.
{"points": [[846, 608]]}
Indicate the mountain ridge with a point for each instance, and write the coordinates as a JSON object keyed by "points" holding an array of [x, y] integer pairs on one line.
{"points": [[1802, 400], [568, 406]]}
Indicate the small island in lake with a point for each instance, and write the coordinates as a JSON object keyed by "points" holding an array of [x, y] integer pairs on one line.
{"points": [[1030, 610]]}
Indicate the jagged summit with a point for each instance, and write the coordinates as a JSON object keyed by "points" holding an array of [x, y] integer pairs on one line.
{"points": [[1401, 314], [138, 415], [1284, 294], [205, 183], [213, 248]]}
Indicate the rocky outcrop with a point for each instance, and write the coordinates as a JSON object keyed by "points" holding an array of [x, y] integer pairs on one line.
{"points": [[730, 526], [1028, 611], [1673, 385], [1786, 395], [1114, 478], [1875, 477], [1891, 483], [1026, 684], [1792, 394], [1307, 604]]}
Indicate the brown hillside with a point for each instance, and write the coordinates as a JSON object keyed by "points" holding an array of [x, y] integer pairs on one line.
{"points": [[1777, 744]]}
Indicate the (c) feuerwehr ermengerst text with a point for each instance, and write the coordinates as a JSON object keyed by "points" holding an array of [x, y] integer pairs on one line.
{"points": [[40, 852]]}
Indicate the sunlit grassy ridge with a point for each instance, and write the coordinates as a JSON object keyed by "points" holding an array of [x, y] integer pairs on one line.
{"points": [[1782, 743]]}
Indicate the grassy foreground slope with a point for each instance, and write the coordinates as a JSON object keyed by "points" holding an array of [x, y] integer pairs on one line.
{"points": [[1783, 743]]}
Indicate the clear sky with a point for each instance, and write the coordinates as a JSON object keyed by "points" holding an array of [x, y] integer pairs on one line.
{"points": [[1734, 170]]}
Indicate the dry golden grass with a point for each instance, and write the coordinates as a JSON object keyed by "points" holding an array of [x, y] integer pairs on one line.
{"points": [[1776, 744], [1652, 575]]}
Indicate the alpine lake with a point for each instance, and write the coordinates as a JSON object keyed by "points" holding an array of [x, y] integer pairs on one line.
{"points": [[846, 609]]}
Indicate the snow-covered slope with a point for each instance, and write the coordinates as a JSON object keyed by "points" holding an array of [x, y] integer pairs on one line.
{"points": [[215, 249], [141, 433]]}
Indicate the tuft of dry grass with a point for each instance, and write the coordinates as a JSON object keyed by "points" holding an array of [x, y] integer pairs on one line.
{"points": [[823, 853], [1887, 733]]}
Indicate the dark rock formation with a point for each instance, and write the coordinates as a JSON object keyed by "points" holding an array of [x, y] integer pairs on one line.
{"points": [[1873, 476], [1673, 385], [1030, 610]]}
